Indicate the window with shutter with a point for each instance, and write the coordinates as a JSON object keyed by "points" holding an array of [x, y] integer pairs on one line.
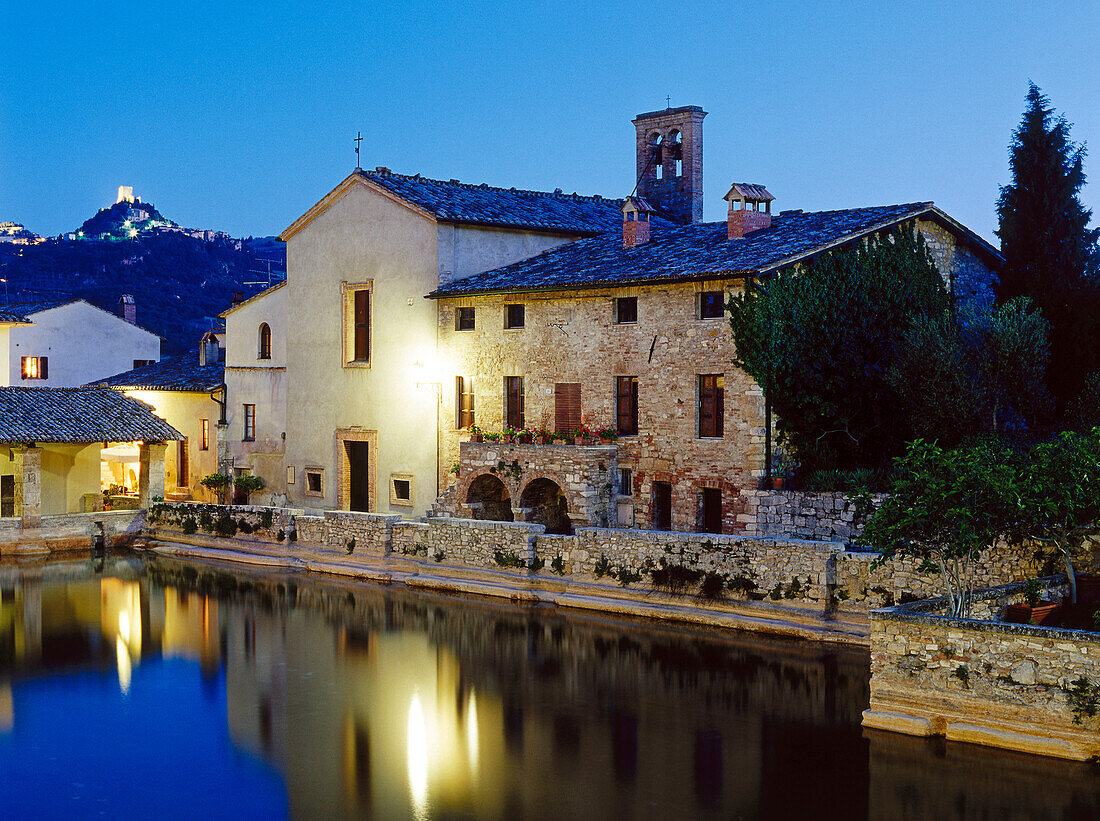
{"points": [[626, 405], [567, 406], [711, 405], [464, 402], [513, 401]]}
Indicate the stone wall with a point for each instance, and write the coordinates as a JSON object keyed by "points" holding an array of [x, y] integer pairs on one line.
{"points": [[586, 476], [984, 681], [799, 515], [468, 541]]}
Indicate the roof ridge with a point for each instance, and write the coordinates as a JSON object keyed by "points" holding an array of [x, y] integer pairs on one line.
{"points": [[486, 187]]}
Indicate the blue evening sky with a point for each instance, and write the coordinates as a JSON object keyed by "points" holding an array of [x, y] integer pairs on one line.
{"points": [[239, 116]]}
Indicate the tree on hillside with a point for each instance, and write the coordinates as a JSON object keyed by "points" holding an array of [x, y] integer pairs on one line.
{"points": [[821, 340], [983, 374], [1050, 252]]}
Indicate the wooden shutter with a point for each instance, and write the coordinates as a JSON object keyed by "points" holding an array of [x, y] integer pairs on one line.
{"points": [[464, 402], [513, 401], [184, 465], [711, 405], [43, 367], [626, 405], [567, 406], [362, 326]]}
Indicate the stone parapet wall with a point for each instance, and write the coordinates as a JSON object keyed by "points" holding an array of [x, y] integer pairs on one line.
{"points": [[983, 681], [372, 532], [796, 514], [467, 541]]}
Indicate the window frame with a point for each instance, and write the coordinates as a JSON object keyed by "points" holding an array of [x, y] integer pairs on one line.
{"points": [[320, 474], [701, 301], [716, 401], [465, 416], [204, 436], [350, 292], [264, 347], [626, 482], [394, 498], [462, 313], [249, 433], [41, 367], [513, 415], [626, 390], [509, 309], [617, 312]]}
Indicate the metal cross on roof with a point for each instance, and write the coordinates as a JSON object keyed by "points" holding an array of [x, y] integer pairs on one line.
{"points": [[358, 139]]}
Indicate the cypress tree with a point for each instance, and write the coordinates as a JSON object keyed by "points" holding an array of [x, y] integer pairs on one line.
{"points": [[1050, 252]]}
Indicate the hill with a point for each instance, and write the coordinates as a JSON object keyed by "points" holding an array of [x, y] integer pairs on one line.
{"points": [[180, 278]]}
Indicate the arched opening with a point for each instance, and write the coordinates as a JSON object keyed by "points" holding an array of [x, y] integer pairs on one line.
{"points": [[488, 499], [656, 150], [265, 341], [545, 503], [676, 150]]}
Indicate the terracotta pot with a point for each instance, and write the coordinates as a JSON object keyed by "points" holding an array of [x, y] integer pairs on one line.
{"points": [[579, 440], [777, 482], [475, 438], [540, 440], [607, 440], [1047, 614]]}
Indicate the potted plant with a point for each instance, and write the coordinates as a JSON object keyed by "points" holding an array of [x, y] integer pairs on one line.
{"points": [[216, 483], [782, 469], [581, 435], [246, 484], [524, 436], [607, 433], [1034, 610], [475, 434], [542, 436]]}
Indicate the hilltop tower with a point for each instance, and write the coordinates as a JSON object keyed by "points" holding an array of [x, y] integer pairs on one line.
{"points": [[125, 194], [670, 161]]}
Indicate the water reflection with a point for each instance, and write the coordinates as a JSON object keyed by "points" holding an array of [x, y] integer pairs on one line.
{"points": [[372, 702]]}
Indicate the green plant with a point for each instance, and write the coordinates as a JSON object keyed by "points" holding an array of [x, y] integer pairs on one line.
{"points": [[602, 567], [225, 525], [189, 525], [776, 593], [1031, 592], [558, 565], [1084, 699], [216, 483], [962, 673], [626, 576], [292, 534], [712, 585], [206, 522], [266, 518], [842, 595], [741, 584], [794, 589], [538, 563], [455, 468], [508, 558], [438, 555], [1096, 621], [244, 526], [248, 484], [280, 535], [607, 432], [349, 545]]}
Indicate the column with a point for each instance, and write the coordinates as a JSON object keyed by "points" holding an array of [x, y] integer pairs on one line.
{"points": [[151, 472], [28, 484]]}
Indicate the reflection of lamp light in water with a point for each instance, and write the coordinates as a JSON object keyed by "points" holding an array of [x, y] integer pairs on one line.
{"points": [[7, 710], [122, 654], [471, 732], [418, 758]]}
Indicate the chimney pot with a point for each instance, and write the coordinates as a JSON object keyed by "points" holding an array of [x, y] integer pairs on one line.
{"points": [[129, 308], [636, 214], [750, 209]]}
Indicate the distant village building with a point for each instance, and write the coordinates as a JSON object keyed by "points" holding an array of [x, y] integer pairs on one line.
{"points": [[67, 343]]}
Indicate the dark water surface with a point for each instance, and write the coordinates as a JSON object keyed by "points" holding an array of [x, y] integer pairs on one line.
{"points": [[152, 688]]}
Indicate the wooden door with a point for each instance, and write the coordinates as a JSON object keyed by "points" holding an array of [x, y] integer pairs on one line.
{"points": [[662, 506]]}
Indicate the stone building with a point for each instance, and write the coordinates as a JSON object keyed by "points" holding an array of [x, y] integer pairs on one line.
{"points": [[546, 309]]}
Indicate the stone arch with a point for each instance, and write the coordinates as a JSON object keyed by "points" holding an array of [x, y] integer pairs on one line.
{"points": [[545, 504], [264, 342], [488, 498]]}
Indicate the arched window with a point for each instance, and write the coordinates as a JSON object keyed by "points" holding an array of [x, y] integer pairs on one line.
{"points": [[265, 341]]}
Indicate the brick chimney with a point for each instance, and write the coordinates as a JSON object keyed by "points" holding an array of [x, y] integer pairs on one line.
{"points": [[129, 308], [636, 213], [750, 209], [210, 349]]}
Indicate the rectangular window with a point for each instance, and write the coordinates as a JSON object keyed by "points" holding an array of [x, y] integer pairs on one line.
{"points": [[567, 406], [362, 326], [141, 363], [711, 405], [513, 316], [290, 474], [712, 305], [626, 310], [249, 423], [464, 402], [204, 442], [35, 367], [513, 401], [401, 489], [626, 482], [464, 319], [626, 405], [315, 481]]}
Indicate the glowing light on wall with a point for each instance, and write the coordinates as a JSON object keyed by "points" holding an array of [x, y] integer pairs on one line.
{"points": [[417, 742]]}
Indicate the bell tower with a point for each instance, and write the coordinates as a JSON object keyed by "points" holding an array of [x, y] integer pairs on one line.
{"points": [[670, 162]]}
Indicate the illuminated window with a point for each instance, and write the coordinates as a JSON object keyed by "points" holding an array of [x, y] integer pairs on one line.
{"points": [[401, 489], [249, 423], [464, 319], [464, 402], [265, 341], [35, 367], [204, 442], [315, 481], [513, 316]]}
